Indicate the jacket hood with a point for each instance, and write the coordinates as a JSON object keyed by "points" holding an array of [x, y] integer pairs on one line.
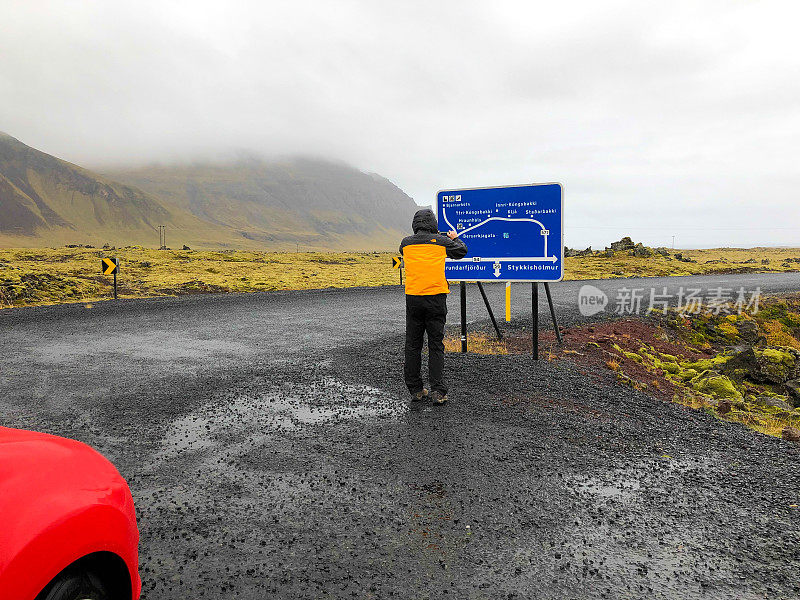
{"points": [[425, 220]]}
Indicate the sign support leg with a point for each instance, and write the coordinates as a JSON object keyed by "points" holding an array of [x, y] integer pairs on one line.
{"points": [[401, 275], [491, 314], [535, 319], [463, 286], [553, 312], [115, 285]]}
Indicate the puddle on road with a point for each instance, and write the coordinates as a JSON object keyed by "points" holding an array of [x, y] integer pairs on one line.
{"points": [[639, 524], [625, 484], [620, 489], [283, 408], [293, 409]]}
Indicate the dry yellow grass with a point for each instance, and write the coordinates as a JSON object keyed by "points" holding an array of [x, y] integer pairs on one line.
{"points": [[708, 261], [477, 344], [52, 276], [46, 276]]}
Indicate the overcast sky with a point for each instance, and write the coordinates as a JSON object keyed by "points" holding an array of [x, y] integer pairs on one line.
{"points": [[660, 118]]}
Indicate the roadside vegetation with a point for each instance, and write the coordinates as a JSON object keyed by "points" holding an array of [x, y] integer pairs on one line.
{"points": [[628, 259], [47, 276], [51, 276], [743, 368]]}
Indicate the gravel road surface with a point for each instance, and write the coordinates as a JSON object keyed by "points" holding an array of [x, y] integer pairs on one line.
{"points": [[272, 452]]}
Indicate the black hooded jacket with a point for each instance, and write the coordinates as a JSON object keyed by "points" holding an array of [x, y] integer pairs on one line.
{"points": [[424, 254]]}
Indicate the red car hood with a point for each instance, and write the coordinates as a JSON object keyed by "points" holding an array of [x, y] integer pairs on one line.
{"points": [[47, 480], [30, 460]]}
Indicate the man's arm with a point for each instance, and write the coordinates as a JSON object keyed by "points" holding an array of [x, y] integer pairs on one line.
{"points": [[455, 248]]}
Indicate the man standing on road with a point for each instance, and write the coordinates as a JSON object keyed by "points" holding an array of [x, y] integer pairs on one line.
{"points": [[426, 301]]}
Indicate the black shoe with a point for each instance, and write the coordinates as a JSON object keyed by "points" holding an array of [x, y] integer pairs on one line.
{"points": [[420, 395], [438, 397]]}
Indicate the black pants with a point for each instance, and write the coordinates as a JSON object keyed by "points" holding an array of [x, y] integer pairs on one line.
{"points": [[425, 314]]}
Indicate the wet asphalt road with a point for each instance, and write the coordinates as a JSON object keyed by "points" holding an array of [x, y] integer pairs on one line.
{"points": [[272, 453]]}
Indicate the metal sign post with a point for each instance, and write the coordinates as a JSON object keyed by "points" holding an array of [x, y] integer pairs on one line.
{"points": [[535, 317], [110, 266], [513, 233], [489, 308], [553, 312]]}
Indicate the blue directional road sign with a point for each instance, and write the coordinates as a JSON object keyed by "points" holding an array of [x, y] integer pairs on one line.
{"points": [[512, 233]]}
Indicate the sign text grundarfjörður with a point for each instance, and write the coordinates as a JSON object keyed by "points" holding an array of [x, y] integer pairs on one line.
{"points": [[512, 233]]}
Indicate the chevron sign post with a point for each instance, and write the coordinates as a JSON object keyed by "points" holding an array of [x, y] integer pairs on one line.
{"points": [[397, 263], [110, 266]]}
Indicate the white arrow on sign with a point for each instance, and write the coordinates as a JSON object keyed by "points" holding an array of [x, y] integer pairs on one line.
{"points": [[544, 231], [497, 269]]}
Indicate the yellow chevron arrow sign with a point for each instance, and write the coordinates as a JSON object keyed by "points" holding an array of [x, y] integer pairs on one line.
{"points": [[110, 266], [397, 262]]}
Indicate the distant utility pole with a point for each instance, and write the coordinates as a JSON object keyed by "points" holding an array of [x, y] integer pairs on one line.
{"points": [[162, 237], [673, 242]]}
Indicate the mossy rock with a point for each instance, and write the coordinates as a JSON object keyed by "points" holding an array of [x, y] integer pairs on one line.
{"points": [[705, 364], [773, 402], [633, 356], [649, 358], [793, 387], [777, 364], [777, 355], [772, 364], [749, 332], [667, 366], [717, 385], [738, 374], [671, 367]]}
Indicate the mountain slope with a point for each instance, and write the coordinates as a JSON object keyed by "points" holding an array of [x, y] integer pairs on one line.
{"points": [[249, 204], [48, 201], [316, 203]]}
